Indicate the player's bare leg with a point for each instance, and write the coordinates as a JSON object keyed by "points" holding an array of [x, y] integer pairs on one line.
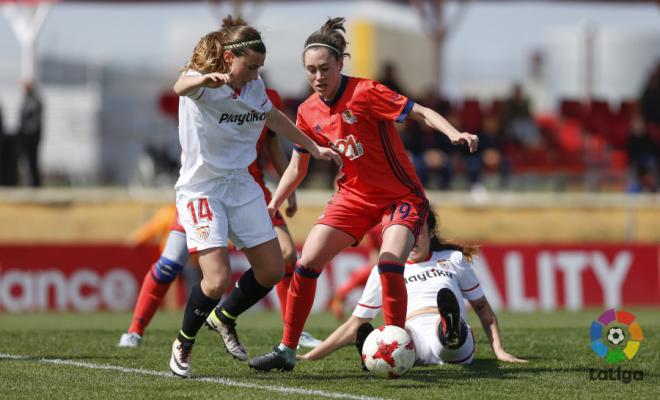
{"points": [[290, 256]]}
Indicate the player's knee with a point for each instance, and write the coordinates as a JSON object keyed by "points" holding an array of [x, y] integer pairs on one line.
{"points": [[310, 263], [166, 270], [216, 285], [289, 255], [270, 275]]}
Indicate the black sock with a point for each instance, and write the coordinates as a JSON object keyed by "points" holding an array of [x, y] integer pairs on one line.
{"points": [[197, 309], [246, 293]]}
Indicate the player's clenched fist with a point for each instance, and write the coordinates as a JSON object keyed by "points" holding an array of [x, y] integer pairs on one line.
{"points": [[326, 153], [472, 141]]}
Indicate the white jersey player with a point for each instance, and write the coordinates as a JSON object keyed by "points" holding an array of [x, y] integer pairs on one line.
{"points": [[438, 277], [222, 111]]}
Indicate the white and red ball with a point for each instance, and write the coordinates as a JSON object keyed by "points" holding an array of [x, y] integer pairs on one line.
{"points": [[389, 351]]}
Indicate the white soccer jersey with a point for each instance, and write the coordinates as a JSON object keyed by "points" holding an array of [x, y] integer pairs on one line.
{"points": [[219, 129], [445, 269]]}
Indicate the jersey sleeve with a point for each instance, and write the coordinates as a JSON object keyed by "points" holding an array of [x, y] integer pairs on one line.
{"points": [[370, 302], [386, 103], [198, 93], [275, 98], [467, 280]]}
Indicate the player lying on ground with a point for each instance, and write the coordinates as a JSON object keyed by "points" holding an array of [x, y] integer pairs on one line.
{"points": [[438, 277]]}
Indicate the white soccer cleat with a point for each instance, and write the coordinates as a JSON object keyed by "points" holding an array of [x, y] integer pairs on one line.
{"points": [[309, 341], [180, 360], [229, 337], [130, 339]]}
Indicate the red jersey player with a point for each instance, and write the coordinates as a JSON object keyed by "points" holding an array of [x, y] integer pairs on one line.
{"points": [[175, 251], [379, 185]]}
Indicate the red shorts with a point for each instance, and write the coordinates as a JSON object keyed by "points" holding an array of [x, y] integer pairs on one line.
{"points": [[176, 225], [277, 220], [356, 217]]}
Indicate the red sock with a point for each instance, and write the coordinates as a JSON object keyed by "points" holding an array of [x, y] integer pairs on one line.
{"points": [[299, 304], [358, 278], [150, 297], [395, 296], [282, 288]]}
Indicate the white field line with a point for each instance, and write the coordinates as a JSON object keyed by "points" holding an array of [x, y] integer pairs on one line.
{"points": [[163, 374]]}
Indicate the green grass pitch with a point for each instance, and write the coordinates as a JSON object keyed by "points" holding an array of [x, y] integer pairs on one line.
{"points": [[75, 356]]}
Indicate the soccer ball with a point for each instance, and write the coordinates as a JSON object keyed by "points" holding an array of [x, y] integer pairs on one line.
{"points": [[615, 336], [389, 351]]}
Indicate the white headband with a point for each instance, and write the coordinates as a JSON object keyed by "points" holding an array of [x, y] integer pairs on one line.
{"points": [[323, 45], [241, 44]]}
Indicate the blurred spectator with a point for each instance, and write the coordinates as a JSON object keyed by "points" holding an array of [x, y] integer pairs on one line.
{"points": [[29, 131], [8, 157], [413, 140], [643, 157], [439, 156], [650, 101], [431, 154], [390, 78], [491, 156], [517, 122]]}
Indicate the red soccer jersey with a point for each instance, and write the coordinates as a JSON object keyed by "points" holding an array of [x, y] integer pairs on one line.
{"points": [[256, 168], [359, 124]]}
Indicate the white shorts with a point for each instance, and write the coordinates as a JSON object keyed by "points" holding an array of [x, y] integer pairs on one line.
{"points": [[231, 207], [429, 350]]}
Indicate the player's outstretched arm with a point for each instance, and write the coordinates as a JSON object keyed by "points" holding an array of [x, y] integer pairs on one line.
{"points": [[291, 178], [278, 158], [489, 323], [188, 84], [278, 122], [342, 336], [435, 121]]}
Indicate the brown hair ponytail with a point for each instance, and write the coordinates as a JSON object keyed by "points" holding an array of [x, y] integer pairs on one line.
{"points": [[330, 36], [234, 35], [439, 244]]}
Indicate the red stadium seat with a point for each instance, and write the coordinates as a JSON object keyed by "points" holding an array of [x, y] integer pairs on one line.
{"points": [[571, 109], [598, 118], [495, 107], [471, 115], [169, 104], [570, 136], [618, 131], [627, 109]]}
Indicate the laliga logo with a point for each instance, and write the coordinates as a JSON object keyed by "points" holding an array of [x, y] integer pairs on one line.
{"points": [[616, 336]]}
